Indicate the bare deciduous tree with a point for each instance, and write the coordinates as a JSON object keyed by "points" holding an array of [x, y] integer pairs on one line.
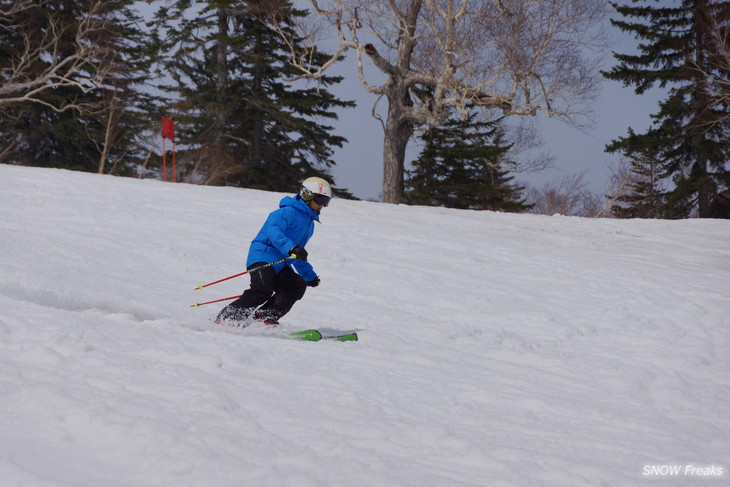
{"points": [[565, 196], [515, 57], [111, 110], [620, 184], [82, 67], [637, 188]]}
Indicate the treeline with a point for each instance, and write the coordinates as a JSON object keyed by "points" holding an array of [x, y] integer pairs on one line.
{"points": [[213, 67], [84, 84]]}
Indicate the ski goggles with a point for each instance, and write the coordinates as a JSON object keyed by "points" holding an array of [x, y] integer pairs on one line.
{"points": [[321, 199]]}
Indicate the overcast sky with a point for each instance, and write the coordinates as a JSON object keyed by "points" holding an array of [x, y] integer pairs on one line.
{"points": [[359, 163]]}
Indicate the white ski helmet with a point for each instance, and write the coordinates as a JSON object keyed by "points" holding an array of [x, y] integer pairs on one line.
{"points": [[316, 189]]}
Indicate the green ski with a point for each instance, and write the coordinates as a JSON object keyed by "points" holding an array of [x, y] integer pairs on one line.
{"points": [[315, 336]]}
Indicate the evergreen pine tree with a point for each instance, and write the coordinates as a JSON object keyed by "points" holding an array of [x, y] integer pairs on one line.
{"points": [[641, 194], [690, 131], [104, 133], [33, 133], [462, 165], [240, 122], [127, 109]]}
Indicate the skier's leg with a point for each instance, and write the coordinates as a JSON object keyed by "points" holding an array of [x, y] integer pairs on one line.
{"points": [[262, 287], [289, 289]]}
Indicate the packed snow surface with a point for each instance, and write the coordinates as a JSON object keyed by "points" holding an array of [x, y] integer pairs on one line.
{"points": [[495, 349]]}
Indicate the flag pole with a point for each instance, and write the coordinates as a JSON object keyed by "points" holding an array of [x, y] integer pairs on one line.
{"points": [[164, 160]]}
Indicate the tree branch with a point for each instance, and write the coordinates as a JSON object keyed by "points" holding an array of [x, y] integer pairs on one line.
{"points": [[83, 68]]}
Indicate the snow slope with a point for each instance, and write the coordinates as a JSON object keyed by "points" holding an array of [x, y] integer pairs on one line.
{"points": [[495, 349]]}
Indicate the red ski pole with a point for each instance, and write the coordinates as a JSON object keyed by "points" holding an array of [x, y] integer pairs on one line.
{"points": [[216, 301], [201, 286]]}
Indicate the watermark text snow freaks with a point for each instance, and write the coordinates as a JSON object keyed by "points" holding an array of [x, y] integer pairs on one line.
{"points": [[683, 471]]}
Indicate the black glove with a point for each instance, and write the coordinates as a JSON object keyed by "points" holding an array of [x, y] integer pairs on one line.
{"points": [[314, 282], [298, 252]]}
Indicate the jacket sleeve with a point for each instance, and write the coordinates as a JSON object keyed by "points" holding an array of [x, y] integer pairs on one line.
{"points": [[276, 231], [279, 222], [304, 269]]}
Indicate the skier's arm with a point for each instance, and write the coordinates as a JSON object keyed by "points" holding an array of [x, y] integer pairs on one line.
{"points": [[276, 232], [304, 269]]}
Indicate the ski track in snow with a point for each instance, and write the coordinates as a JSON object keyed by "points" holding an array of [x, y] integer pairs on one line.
{"points": [[495, 349]]}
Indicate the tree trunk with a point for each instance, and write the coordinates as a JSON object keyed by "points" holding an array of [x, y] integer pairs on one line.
{"points": [[221, 75], [107, 143], [111, 126], [396, 133], [398, 127], [256, 157], [704, 190], [394, 152]]}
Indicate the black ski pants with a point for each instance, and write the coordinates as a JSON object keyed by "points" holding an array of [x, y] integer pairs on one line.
{"points": [[270, 296]]}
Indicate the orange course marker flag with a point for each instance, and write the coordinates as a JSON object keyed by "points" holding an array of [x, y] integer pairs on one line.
{"points": [[168, 128]]}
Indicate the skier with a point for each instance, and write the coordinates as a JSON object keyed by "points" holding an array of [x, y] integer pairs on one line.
{"points": [[275, 288]]}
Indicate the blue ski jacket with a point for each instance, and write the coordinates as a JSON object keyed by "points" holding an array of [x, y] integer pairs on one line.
{"points": [[291, 225]]}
